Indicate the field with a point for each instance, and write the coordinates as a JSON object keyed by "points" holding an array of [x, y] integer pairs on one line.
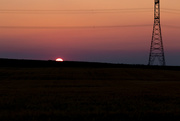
{"points": [[89, 94]]}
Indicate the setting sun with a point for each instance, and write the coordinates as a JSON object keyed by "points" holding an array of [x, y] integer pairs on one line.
{"points": [[59, 60]]}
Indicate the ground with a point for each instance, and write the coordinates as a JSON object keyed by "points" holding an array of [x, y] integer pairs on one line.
{"points": [[89, 94]]}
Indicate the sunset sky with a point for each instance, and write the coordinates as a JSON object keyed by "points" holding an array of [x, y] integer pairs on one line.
{"points": [[115, 45]]}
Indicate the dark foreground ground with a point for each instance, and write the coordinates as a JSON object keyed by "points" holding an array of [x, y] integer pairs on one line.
{"points": [[88, 93]]}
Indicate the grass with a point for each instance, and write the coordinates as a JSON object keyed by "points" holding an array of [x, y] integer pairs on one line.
{"points": [[89, 94]]}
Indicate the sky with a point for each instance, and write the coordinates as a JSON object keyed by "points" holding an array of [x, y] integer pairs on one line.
{"points": [[129, 45]]}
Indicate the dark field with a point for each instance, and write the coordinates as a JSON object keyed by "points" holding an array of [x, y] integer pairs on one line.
{"points": [[89, 94]]}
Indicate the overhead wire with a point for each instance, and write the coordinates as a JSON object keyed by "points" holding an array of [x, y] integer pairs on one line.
{"points": [[85, 27], [36, 11], [82, 10], [27, 10], [77, 11], [170, 9], [170, 12], [72, 27], [171, 26]]}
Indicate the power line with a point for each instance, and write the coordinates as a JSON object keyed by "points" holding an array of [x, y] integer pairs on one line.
{"points": [[85, 11], [171, 12], [93, 12], [24, 11], [36, 10], [170, 9], [171, 26], [72, 27], [84, 27]]}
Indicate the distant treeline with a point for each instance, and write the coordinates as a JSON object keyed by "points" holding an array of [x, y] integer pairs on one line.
{"points": [[52, 63]]}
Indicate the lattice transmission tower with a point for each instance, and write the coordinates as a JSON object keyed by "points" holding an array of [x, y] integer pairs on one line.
{"points": [[156, 49]]}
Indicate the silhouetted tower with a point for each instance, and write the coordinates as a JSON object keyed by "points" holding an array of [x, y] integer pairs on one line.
{"points": [[156, 49]]}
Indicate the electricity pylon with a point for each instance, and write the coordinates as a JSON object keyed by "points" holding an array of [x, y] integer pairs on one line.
{"points": [[156, 49]]}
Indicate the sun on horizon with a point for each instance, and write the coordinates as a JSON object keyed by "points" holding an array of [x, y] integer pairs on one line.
{"points": [[59, 60]]}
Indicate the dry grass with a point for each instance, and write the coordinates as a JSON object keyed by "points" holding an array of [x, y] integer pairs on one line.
{"points": [[89, 94]]}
